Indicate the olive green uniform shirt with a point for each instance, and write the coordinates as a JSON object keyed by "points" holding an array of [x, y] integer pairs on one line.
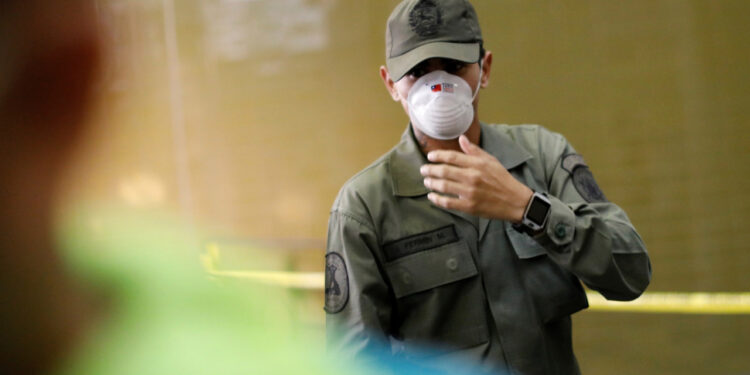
{"points": [[437, 283]]}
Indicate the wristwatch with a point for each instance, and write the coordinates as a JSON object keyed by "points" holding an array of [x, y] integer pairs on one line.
{"points": [[535, 215]]}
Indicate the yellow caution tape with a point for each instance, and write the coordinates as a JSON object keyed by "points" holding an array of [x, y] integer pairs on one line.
{"points": [[649, 302], [677, 303], [297, 280]]}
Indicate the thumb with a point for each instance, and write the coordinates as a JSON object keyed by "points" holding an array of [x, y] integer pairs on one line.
{"points": [[469, 148]]}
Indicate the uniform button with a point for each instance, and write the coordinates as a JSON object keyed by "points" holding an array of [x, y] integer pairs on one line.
{"points": [[560, 231], [452, 264], [406, 278]]}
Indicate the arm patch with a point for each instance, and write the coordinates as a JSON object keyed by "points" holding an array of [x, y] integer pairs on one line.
{"points": [[337, 283], [583, 179]]}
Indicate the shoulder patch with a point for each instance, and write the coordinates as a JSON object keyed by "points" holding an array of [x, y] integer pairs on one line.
{"points": [[337, 283], [583, 179], [571, 161]]}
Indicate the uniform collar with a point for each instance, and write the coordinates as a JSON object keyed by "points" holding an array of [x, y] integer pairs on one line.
{"points": [[406, 159]]}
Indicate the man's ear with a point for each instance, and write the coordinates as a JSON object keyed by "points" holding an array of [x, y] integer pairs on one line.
{"points": [[389, 84], [486, 68]]}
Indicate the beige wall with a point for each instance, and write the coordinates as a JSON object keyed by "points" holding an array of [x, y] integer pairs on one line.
{"points": [[280, 103]]}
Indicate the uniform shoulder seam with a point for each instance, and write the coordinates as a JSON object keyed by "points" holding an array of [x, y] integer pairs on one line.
{"points": [[352, 217]]}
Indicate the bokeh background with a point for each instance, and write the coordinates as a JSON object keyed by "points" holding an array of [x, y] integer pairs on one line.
{"points": [[247, 116]]}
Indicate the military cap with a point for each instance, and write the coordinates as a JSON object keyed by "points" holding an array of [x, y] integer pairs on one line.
{"points": [[421, 29]]}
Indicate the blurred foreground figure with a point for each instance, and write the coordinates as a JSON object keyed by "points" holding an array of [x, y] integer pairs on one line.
{"points": [[467, 237], [108, 291], [49, 57]]}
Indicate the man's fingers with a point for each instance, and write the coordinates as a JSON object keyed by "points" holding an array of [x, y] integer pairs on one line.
{"points": [[471, 149], [446, 187], [445, 171], [447, 202], [451, 157], [468, 147]]}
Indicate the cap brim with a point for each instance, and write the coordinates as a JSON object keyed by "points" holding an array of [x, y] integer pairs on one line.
{"points": [[398, 66]]}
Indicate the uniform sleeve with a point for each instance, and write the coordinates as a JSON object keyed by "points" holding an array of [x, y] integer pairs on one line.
{"points": [[357, 323], [585, 233]]}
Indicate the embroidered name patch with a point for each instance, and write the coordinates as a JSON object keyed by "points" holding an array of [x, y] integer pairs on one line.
{"points": [[583, 179], [420, 242]]}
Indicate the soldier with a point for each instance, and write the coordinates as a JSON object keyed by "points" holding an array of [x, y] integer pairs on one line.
{"points": [[470, 238]]}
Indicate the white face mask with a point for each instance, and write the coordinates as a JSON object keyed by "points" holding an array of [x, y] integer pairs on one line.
{"points": [[440, 104]]}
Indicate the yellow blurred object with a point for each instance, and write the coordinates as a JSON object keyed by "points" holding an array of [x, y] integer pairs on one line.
{"points": [[677, 303], [297, 280]]}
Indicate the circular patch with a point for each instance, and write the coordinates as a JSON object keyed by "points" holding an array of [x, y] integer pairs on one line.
{"points": [[425, 18], [584, 182], [337, 283]]}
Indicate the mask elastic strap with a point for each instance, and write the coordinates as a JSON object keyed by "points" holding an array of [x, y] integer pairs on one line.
{"points": [[479, 83]]}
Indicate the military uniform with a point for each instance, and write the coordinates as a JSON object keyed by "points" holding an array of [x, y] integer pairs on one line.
{"points": [[403, 271]]}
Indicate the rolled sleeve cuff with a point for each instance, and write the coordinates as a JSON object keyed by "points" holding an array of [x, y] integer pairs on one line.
{"points": [[560, 228]]}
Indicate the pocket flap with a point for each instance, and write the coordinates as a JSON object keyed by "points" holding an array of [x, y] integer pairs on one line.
{"points": [[430, 268], [524, 246]]}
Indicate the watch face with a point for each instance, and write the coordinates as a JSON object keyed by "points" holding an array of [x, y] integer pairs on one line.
{"points": [[538, 211]]}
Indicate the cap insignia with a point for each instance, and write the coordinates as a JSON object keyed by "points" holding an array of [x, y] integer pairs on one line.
{"points": [[425, 18]]}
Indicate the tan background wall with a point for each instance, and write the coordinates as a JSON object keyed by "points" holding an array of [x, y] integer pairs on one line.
{"points": [[280, 103]]}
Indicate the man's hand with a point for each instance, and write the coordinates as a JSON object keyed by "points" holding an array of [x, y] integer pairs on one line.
{"points": [[474, 182]]}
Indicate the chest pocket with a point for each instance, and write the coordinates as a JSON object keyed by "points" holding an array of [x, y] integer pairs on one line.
{"points": [[556, 292], [439, 301], [431, 268]]}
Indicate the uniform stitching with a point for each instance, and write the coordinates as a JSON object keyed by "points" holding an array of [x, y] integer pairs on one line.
{"points": [[353, 217]]}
